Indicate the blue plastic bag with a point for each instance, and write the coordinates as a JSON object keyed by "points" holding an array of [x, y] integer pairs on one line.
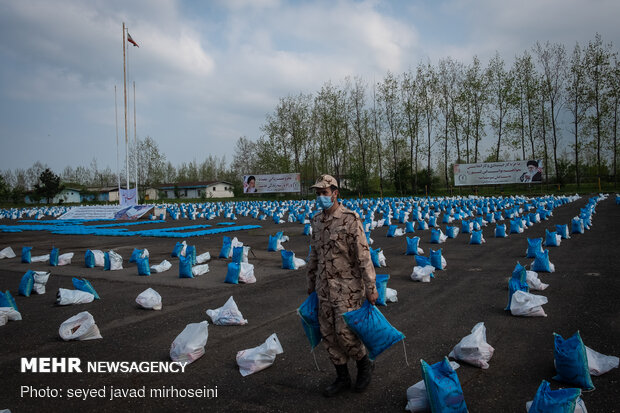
{"points": [[381, 283], [435, 234], [237, 255], [232, 275], [443, 388], [409, 227], [518, 282], [476, 238], [432, 221], [541, 262], [273, 243], [84, 285], [562, 230], [178, 247], [465, 227], [452, 232], [26, 255], [7, 300], [106, 261], [287, 259], [391, 230], [135, 255], [551, 239], [555, 401], [185, 267], [534, 246], [436, 259], [307, 228], [143, 266], [577, 226], [226, 245], [421, 224], [515, 226], [500, 230], [374, 256], [89, 259], [422, 261], [571, 361], [373, 329], [309, 313], [412, 246], [54, 257], [26, 284], [190, 251]]}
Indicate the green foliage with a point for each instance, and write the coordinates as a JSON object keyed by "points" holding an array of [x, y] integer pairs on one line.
{"points": [[48, 186]]}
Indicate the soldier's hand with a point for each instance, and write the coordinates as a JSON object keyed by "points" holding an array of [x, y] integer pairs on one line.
{"points": [[372, 297]]}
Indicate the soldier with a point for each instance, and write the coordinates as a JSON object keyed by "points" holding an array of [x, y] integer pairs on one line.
{"points": [[340, 270]]}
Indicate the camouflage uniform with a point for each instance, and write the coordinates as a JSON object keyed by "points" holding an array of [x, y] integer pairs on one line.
{"points": [[341, 271]]}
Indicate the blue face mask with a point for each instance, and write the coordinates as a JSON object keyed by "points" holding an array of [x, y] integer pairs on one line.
{"points": [[324, 202]]}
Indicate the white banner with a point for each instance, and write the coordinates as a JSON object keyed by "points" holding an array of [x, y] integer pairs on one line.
{"points": [[128, 197], [492, 173], [118, 212], [271, 183]]}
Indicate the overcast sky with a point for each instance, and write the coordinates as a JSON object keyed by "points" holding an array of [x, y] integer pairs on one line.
{"points": [[207, 72]]}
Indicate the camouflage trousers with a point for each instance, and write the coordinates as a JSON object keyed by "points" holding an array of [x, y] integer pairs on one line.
{"points": [[340, 341]]}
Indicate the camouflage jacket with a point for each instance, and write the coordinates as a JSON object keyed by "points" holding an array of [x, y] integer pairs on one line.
{"points": [[339, 267]]}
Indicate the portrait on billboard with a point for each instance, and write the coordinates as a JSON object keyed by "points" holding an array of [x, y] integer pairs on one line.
{"points": [[533, 173], [249, 184]]}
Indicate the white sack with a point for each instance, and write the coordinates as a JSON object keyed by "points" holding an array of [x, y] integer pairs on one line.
{"points": [[11, 313], [116, 261], [99, 258], [202, 258], [65, 259], [200, 269], [534, 282], [40, 258], [7, 253], [190, 344], [163, 266], [234, 243], [69, 297], [422, 274], [3, 319], [246, 273], [391, 295], [473, 348], [599, 363], [298, 262], [259, 358], [79, 327], [528, 305], [227, 315], [381, 258], [417, 399], [149, 299], [399, 232]]}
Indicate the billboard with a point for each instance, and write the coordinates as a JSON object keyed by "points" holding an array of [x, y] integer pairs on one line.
{"points": [[493, 173], [101, 212], [271, 183]]}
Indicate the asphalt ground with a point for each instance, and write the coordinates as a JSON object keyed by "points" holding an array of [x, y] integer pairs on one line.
{"points": [[583, 295]]}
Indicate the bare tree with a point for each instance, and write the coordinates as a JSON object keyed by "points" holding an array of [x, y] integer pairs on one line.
{"points": [[552, 58], [577, 100], [501, 95]]}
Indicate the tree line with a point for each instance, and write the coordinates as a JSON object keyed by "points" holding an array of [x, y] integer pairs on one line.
{"points": [[405, 131]]}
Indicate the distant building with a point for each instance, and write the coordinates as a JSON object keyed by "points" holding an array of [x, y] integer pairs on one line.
{"points": [[101, 194], [197, 190], [68, 195]]}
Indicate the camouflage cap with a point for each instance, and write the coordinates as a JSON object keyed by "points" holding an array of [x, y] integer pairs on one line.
{"points": [[325, 181]]}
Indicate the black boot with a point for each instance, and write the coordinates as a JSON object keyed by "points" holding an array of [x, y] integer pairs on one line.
{"points": [[343, 381], [364, 374]]}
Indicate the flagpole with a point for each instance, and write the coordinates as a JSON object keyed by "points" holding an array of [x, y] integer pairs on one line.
{"points": [[125, 97], [135, 137], [118, 173]]}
